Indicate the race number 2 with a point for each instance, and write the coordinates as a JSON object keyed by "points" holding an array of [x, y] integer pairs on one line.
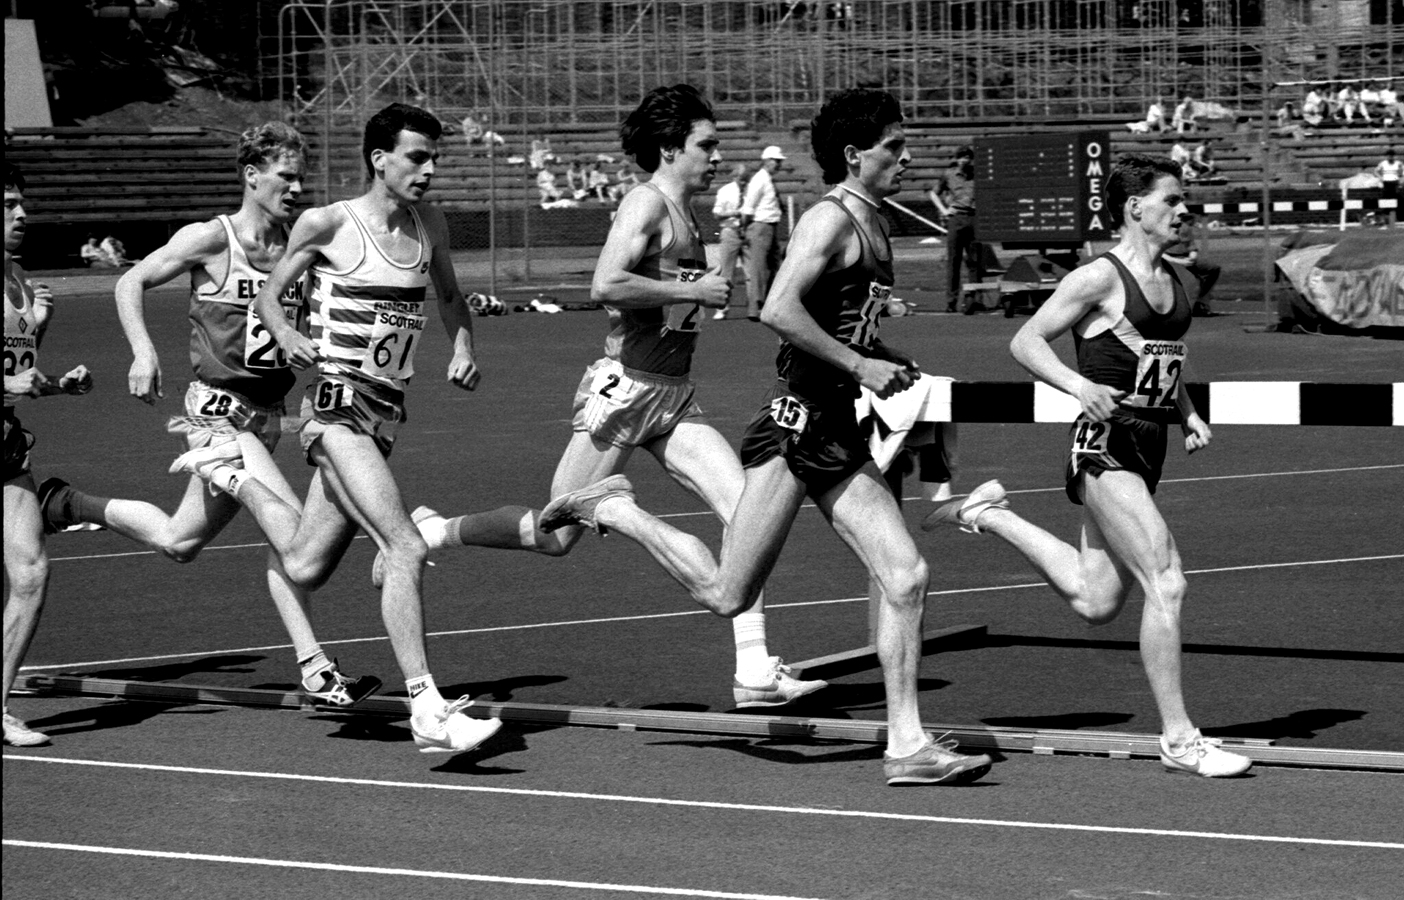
{"points": [[261, 351], [686, 317]]}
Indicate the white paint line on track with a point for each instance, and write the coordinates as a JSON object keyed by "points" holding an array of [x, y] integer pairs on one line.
{"points": [[381, 870], [686, 515], [672, 615], [711, 804]]}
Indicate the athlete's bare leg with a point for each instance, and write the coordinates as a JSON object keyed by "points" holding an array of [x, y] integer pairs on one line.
{"points": [[26, 569]]}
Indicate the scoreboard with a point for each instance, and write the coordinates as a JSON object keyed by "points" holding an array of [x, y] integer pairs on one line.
{"points": [[1042, 187]]}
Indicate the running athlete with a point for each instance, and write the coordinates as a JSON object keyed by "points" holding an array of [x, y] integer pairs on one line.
{"points": [[653, 277], [235, 404], [1128, 310], [371, 261], [805, 441], [28, 306]]}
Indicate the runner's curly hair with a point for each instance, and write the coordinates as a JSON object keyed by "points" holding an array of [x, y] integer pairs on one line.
{"points": [[662, 121]]}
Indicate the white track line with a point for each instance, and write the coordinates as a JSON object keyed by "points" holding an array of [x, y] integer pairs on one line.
{"points": [[734, 807], [689, 612], [414, 873], [686, 515]]}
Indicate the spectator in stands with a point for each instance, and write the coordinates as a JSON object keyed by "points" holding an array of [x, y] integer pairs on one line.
{"points": [[1391, 110], [1285, 115], [1180, 155], [954, 199], [92, 254], [1202, 161], [760, 220], [1314, 108], [1348, 104], [546, 184], [1369, 100], [1184, 117], [727, 209], [577, 182], [1188, 253], [114, 252], [627, 180], [597, 182], [472, 130], [1154, 120], [541, 153], [1390, 171]]}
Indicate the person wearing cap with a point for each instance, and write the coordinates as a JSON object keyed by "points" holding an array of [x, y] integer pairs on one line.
{"points": [[760, 219], [954, 198]]}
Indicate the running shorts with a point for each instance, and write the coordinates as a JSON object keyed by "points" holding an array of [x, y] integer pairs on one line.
{"points": [[365, 409], [628, 408], [18, 442], [215, 415], [1122, 442], [821, 441]]}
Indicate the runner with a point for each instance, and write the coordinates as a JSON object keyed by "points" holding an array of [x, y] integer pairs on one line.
{"points": [[653, 277], [1127, 310], [235, 403], [371, 260], [805, 441], [28, 308]]}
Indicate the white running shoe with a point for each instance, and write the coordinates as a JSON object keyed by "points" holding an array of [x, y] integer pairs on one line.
{"points": [[422, 514], [450, 731], [18, 734], [965, 513], [1203, 757], [201, 461], [778, 688], [578, 507]]}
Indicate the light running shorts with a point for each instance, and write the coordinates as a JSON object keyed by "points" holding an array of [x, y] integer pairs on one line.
{"points": [[364, 408], [18, 442], [214, 415], [628, 408]]}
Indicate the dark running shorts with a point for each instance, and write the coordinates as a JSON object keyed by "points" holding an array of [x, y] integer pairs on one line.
{"points": [[1121, 442], [18, 441], [341, 401], [821, 442]]}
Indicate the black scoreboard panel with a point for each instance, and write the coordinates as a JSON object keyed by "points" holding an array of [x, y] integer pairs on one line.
{"points": [[1042, 187]]}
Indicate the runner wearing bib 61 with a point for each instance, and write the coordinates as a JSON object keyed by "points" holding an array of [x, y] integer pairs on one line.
{"points": [[1127, 310]]}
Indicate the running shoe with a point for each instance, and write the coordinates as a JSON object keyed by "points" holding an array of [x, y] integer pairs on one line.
{"points": [[53, 496], [964, 513], [935, 763], [203, 460], [450, 731], [1203, 757], [421, 514], [339, 689], [18, 734], [777, 689], [578, 507]]}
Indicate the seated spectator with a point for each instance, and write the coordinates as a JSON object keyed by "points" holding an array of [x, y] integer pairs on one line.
{"points": [[92, 254], [546, 184], [577, 182], [114, 252], [1181, 156], [1391, 110], [1314, 108], [598, 182], [1348, 104], [1202, 161], [1184, 117], [1285, 115], [541, 153], [627, 181], [472, 129]]}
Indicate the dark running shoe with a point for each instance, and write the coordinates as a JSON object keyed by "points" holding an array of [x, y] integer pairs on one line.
{"points": [[53, 496]]}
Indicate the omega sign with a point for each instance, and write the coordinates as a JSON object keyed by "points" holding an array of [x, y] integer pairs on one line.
{"points": [[1095, 151]]}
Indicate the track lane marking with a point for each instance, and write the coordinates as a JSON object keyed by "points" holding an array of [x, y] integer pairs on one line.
{"points": [[672, 615], [713, 804], [382, 870]]}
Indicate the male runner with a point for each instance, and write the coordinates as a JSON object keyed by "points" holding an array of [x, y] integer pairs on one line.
{"points": [[236, 398], [27, 312], [1127, 310], [371, 260], [805, 441], [653, 277]]}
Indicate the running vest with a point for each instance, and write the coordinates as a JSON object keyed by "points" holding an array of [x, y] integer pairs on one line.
{"points": [[229, 347], [369, 319], [659, 340], [845, 303], [1141, 353], [21, 329]]}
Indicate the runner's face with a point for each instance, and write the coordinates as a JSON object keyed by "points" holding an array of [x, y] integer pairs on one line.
{"points": [[697, 163], [881, 166], [14, 220], [1162, 211], [278, 185], [409, 167]]}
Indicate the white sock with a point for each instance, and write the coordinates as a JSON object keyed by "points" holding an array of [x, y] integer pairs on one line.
{"points": [[434, 530], [424, 696], [752, 654], [313, 665], [228, 479]]}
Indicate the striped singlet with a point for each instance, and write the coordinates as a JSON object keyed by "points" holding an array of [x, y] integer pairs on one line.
{"points": [[21, 328]]}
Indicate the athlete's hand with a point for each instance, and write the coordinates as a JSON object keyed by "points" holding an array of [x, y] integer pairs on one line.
{"points": [[43, 294], [144, 379], [301, 350], [29, 383], [464, 373], [1197, 433], [713, 291], [77, 380], [1099, 401], [884, 378]]}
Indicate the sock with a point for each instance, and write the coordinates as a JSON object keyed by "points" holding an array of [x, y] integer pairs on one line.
{"points": [[228, 479], [81, 507], [313, 666], [435, 531], [752, 654], [424, 695]]}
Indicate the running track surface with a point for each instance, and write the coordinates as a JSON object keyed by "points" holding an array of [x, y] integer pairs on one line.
{"points": [[1292, 537]]}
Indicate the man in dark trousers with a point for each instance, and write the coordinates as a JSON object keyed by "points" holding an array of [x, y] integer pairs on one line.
{"points": [[954, 198]]}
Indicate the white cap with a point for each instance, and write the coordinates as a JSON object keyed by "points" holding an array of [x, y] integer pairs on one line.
{"points": [[772, 152]]}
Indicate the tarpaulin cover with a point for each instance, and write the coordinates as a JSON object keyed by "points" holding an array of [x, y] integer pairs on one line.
{"points": [[1356, 280]]}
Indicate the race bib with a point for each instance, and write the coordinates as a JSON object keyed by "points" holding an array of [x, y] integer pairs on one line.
{"points": [[392, 342], [328, 395], [21, 353], [1158, 371], [1090, 437], [867, 324], [610, 385], [686, 317], [789, 414], [261, 351]]}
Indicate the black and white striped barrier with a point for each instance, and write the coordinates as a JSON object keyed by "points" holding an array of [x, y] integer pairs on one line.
{"points": [[1293, 206]]}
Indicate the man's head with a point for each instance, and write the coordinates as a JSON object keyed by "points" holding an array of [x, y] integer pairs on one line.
{"points": [[772, 157], [660, 127], [857, 119], [272, 161], [1389, 154], [14, 209], [400, 149], [738, 172], [1146, 191]]}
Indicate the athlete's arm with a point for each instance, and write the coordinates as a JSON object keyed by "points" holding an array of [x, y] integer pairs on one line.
{"points": [[43, 305], [1197, 433], [314, 231], [638, 222], [453, 309], [821, 238], [192, 246], [1080, 293]]}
